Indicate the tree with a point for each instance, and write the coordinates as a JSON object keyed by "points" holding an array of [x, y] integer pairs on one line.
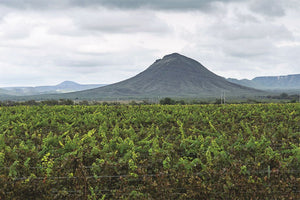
{"points": [[167, 101], [284, 96]]}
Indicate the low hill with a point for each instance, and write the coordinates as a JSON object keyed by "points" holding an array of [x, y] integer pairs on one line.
{"points": [[4, 92], [64, 87]]}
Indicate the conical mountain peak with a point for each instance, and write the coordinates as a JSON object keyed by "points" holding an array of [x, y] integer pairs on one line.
{"points": [[173, 55], [68, 83], [170, 57], [177, 65], [174, 75]]}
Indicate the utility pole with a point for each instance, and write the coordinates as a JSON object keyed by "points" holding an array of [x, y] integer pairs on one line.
{"points": [[223, 97]]}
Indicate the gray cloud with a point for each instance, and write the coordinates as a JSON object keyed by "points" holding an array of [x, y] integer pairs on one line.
{"points": [[32, 4], [121, 4], [154, 4], [14, 27], [271, 8], [105, 41], [79, 63], [248, 48], [119, 21], [252, 31], [247, 18]]}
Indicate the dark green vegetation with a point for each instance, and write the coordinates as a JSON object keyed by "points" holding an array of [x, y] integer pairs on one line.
{"points": [[280, 98], [150, 152]]}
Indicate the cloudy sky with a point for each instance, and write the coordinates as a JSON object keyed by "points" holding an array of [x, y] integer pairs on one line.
{"points": [[45, 42]]}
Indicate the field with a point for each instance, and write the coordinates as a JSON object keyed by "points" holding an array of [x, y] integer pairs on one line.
{"points": [[150, 152]]}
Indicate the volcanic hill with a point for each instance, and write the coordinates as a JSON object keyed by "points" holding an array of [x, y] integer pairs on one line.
{"points": [[174, 75]]}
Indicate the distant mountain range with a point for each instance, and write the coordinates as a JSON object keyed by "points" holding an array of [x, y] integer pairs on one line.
{"points": [[288, 82], [64, 87]]}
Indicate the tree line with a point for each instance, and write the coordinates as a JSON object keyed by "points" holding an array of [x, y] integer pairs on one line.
{"points": [[164, 101]]}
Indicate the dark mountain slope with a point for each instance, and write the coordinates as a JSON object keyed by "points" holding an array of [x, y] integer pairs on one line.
{"points": [[175, 76]]}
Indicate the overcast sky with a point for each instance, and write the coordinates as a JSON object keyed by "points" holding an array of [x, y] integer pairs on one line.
{"points": [[45, 42]]}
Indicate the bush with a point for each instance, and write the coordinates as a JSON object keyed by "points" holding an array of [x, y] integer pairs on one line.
{"points": [[167, 101]]}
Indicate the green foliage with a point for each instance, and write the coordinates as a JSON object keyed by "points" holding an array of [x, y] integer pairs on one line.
{"points": [[167, 101], [150, 152]]}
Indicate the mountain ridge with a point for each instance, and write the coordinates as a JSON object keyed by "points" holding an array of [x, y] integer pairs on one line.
{"points": [[283, 82], [63, 87]]}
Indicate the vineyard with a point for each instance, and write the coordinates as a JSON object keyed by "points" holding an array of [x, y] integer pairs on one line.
{"points": [[150, 152]]}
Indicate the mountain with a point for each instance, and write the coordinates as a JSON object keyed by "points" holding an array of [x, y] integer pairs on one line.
{"points": [[174, 75], [279, 82], [288, 82], [64, 87], [244, 82], [4, 92], [68, 86]]}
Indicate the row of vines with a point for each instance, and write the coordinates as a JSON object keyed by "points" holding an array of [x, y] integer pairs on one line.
{"points": [[150, 152]]}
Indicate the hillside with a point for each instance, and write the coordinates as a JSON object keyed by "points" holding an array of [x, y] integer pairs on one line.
{"points": [[174, 75], [4, 92]]}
